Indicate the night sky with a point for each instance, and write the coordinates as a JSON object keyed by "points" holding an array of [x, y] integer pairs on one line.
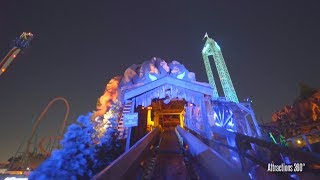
{"points": [[79, 45]]}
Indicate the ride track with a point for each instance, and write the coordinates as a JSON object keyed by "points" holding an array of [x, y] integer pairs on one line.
{"points": [[8, 59], [36, 124]]}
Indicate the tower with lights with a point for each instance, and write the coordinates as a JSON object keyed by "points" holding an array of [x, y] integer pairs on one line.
{"points": [[227, 113], [211, 48]]}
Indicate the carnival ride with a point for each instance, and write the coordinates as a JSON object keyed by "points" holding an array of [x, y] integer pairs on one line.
{"points": [[36, 124], [42, 148], [19, 44]]}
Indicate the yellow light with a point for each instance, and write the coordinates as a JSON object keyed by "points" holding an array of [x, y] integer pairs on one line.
{"points": [[149, 119], [149, 107], [298, 141], [3, 70]]}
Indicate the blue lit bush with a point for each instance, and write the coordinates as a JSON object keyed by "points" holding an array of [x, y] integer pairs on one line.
{"points": [[80, 157]]}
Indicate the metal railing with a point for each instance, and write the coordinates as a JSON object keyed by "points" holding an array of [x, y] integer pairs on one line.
{"points": [[120, 167], [245, 143], [211, 163]]}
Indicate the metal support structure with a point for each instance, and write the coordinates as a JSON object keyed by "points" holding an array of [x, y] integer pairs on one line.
{"points": [[211, 48], [128, 139], [250, 111], [307, 142]]}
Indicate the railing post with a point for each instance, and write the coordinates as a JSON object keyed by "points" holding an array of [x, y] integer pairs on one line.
{"points": [[205, 119], [240, 144], [129, 129], [307, 142], [124, 165]]}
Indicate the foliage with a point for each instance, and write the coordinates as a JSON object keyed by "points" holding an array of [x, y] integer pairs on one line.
{"points": [[109, 146], [81, 157], [306, 91], [301, 116]]}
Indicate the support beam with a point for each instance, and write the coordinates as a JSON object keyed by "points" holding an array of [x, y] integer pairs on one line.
{"points": [[204, 116]]}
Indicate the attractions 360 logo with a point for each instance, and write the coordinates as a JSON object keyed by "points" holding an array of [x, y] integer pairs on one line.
{"points": [[296, 167]]}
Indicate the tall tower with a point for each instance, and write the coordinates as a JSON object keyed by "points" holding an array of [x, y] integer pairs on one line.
{"points": [[211, 48]]}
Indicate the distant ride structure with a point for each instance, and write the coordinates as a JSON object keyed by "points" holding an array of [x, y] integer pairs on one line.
{"points": [[19, 44], [36, 150], [36, 124]]}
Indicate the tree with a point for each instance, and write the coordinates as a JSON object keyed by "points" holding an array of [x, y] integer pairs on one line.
{"points": [[306, 91], [77, 157], [84, 151], [109, 146]]}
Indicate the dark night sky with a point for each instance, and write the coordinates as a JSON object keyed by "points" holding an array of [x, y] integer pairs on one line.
{"points": [[79, 45]]}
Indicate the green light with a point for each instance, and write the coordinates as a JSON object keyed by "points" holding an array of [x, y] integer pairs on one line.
{"points": [[283, 141], [211, 48], [271, 136], [216, 44]]}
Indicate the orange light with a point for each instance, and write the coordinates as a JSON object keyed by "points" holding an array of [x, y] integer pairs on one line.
{"points": [[3, 69], [149, 107]]}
